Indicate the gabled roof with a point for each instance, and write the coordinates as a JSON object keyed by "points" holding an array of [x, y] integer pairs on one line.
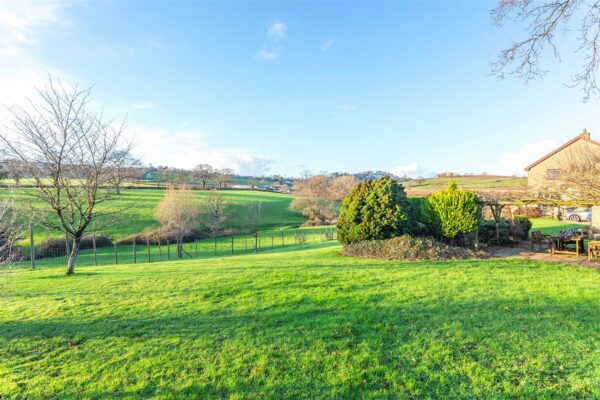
{"points": [[585, 136]]}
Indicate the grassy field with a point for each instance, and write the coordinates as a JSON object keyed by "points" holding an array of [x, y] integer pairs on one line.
{"points": [[466, 182], [301, 324], [139, 207]]}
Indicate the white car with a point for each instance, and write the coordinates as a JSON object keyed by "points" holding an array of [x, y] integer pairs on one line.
{"points": [[579, 215]]}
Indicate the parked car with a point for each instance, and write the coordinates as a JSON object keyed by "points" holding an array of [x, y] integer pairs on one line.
{"points": [[579, 215]]}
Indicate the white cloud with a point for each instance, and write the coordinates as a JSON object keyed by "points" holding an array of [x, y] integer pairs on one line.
{"points": [[326, 44], [411, 170], [277, 31], [184, 147], [514, 163], [346, 108], [268, 54], [20, 22]]}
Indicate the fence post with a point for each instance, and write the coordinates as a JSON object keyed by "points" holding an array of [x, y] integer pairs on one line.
{"points": [[231, 244], [134, 253], [116, 251], [31, 246], [94, 248], [159, 249], [215, 243], [272, 241], [168, 249], [282, 240], [196, 240], [245, 244], [148, 246]]}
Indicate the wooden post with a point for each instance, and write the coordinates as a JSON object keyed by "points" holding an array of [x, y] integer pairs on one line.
{"points": [[168, 249], [215, 244], [31, 247], [116, 251], [272, 241], [245, 244], [134, 253], [148, 246], [256, 239], [282, 240], [196, 240], [159, 249], [94, 248], [232, 244]]}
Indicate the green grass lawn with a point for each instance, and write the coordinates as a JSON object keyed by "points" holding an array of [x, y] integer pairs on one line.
{"points": [[467, 182], [139, 207], [549, 226], [301, 324]]}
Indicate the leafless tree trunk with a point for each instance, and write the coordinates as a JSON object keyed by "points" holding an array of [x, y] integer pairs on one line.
{"points": [[205, 173], [214, 212], [253, 218], [10, 232], [69, 151], [542, 20]]}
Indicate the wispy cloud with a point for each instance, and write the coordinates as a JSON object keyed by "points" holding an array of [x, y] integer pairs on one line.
{"points": [[186, 147], [20, 22], [272, 48], [345, 108], [277, 31], [411, 170], [268, 54], [326, 44]]}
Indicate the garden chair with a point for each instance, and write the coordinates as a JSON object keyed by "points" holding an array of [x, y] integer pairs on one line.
{"points": [[593, 249], [538, 238]]}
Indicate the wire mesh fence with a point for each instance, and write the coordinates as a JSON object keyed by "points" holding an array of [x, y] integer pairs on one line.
{"points": [[113, 252]]}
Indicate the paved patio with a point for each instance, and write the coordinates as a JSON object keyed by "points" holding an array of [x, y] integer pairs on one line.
{"points": [[523, 250]]}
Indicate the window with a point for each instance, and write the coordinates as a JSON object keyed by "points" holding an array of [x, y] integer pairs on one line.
{"points": [[553, 174]]}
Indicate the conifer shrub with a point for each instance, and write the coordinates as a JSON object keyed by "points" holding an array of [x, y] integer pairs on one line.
{"points": [[374, 209], [452, 212]]}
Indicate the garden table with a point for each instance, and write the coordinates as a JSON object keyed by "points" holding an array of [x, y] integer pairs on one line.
{"points": [[559, 245]]}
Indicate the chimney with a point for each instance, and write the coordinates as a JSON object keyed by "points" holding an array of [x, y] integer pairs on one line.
{"points": [[585, 134]]}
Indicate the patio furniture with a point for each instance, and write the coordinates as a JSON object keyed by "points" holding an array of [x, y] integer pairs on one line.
{"points": [[559, 243], [538, 238], [593, 249]]}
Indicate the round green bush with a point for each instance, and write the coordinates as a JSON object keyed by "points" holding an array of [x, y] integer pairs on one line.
{"points": [[452, 212], [374, 209]]}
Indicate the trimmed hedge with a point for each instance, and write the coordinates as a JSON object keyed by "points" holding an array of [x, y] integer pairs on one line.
{"points": [[487, 231]]}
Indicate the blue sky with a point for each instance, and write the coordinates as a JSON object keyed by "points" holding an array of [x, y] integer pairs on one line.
{"points": [[281, 87]]}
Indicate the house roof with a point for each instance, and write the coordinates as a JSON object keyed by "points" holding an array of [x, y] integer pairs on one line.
{"points": [[585, 136]]}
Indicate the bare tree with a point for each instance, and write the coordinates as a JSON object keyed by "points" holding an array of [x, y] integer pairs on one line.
{"points": [[253, 182], [341, 186], [125, 170], [542, 21], [224, 177], [214, 213], [205, 173], [14, 170], [253, 219], [68, 151], [10, 231], [312, 198], [178, 214]]}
